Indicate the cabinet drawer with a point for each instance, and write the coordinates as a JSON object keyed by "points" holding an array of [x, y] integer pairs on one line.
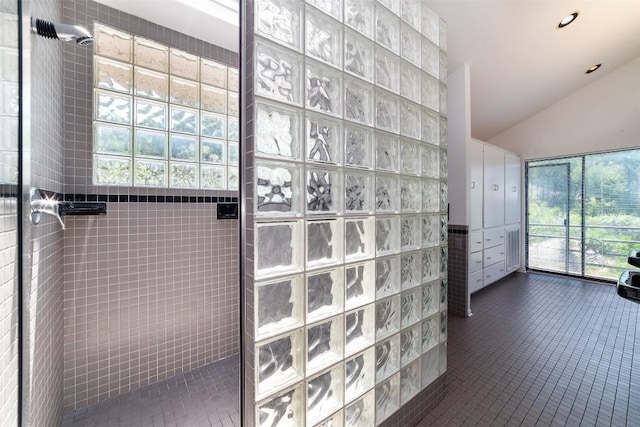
{"points": [[493, 237], [475, 241], [493, 273], [475, 261], [493, 255], [475, 281]]}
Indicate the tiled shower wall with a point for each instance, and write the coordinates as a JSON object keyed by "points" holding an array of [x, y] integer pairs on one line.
{"points": [[8, 215], [43, 326], [150, 289], [8, 312], [346, 286]]}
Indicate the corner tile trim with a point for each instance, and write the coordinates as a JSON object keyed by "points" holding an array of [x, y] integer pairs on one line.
{"points": [[456, 231], [138, 198]]}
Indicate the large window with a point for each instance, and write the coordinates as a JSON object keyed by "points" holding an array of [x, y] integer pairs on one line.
{"points": [[583, 213], [162, 117]]}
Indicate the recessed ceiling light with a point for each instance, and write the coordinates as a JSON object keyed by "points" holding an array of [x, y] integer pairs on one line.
{"points": [[568, 19], [593, 68]]}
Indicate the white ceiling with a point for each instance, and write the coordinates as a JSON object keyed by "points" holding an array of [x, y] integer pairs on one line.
{"points": [[214, 21], [520, 62]]}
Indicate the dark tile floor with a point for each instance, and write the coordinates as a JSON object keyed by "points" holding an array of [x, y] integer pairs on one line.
{"points": [[538, 351], [543, 351], [207, 396]]}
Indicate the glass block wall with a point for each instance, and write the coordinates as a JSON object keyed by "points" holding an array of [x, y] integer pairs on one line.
{"points": [[163, 117], [346, 166]]}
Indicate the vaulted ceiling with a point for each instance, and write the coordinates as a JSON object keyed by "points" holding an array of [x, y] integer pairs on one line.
{"points": [[522, 63]]}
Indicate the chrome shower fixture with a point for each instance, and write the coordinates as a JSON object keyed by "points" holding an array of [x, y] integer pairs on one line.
{"points": [[64, 32]]}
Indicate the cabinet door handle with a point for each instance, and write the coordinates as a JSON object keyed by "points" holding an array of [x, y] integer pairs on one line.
{"points": [[488, 257], [473, 184], [479, 280], [514, 189], [478, 243], [496, 187]]}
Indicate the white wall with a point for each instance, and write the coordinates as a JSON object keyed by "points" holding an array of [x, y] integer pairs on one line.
{"points": [[604, 115], [459, 127]]}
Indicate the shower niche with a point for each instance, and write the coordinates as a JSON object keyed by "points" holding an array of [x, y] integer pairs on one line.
{"points": [[349, 193]]}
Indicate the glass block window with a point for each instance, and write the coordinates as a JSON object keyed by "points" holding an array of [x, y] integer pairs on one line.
{"points": [[162, 117]]}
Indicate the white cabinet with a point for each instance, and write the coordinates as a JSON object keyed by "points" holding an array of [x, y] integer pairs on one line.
{"points": [[493, 203], [511, 188], [494, 186], [494, 214], [476, 186], [476, 241], [493, 237], [493, 273], [492, 256], [476, 261], [487, 257], [476, 281]]}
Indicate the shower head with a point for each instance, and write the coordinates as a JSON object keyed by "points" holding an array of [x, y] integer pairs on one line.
{"points": [[62, 32]]}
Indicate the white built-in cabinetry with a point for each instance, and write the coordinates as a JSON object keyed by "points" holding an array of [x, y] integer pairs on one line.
{"points": [[476, 175], [486, 258], [511, 188], [493, 201], [484, 193], [494, 214]]}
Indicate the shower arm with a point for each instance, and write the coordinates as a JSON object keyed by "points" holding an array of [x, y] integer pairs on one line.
{"points": [[68, 32], [63, 32]]}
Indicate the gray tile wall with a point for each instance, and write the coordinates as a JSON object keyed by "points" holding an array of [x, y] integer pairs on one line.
{"points": [[8, 313], [43, 321], [150, 289], [150, 292], [458, 270], [8, 221], [43, 332]]}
